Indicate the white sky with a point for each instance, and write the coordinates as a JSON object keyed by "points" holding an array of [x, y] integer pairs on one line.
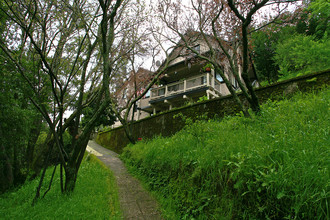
{"points": [[265, 12]]}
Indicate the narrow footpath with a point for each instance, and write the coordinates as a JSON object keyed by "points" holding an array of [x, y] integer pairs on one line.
{"points": [[135, 202]]}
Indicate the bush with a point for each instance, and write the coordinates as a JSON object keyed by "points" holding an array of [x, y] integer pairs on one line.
{"points": [[302, 54], [274, 165]]}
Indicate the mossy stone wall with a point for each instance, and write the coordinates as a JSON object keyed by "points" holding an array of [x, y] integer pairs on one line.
{"points": [[168, 123]]}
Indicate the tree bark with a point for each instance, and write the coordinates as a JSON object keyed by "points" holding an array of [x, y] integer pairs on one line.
{"points": [[6, 175], [50, 145], [73, 165], [255, 106], [34, 134], [70, 178]]}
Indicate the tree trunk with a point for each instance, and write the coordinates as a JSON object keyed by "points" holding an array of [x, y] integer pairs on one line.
{"points": [[6, 173], [34, 134], [70, 177], [128, 130], [50, 145], [73, 165], [19, 176], [254, 102]]}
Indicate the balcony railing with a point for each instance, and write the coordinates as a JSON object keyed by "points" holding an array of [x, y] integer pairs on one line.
{"points": [[186, 85]]}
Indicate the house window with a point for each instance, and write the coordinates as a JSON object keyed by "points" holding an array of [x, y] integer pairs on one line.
{"points": [[125, 94], [161, 92], [235, 84], [203, 80], [218, 77], [197, 48], [147, 95]]}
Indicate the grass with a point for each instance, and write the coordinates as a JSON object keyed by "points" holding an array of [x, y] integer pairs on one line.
{"points": [[272, 166], [95, 197]]}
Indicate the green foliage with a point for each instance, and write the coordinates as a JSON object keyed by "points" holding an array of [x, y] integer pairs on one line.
{"points": [[20, 122], [264, 43], [301, 54], [298, 45], [320, 10], [105, 119], [207, 66], [95, 197], [271, 166], [17, 124], [202, 98]]}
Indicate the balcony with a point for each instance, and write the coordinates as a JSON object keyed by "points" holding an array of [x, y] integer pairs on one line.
{"points": [[204, 80]]}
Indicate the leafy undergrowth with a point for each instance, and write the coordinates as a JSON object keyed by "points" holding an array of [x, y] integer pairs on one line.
{"points": [[95, 197], [271, 166]]}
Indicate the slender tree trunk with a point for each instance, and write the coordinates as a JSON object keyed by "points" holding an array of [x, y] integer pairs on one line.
{"points": [[34, 134], [61, 178], [50, 182], [129, 124], [127, 127], [16, 164], [254, 99], [6, 175], [45, 165], [233, 92], [128, 131]]}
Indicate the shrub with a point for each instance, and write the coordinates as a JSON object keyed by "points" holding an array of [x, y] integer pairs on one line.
{"points": [[301, 54]]}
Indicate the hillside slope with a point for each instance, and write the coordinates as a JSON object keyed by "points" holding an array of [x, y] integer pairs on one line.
{"points": [[274, 165]]}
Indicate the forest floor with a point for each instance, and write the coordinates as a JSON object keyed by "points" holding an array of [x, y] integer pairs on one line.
{"points": [[135, 201]]}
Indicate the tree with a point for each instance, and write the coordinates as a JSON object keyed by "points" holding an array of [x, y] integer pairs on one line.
{"points": [[144, 44], [280, 49], [294, 44], [319, 18], [81, 46], [302, 54], [16, 114], [33, 21], [263, 47], [263, 53], [224, 25]]}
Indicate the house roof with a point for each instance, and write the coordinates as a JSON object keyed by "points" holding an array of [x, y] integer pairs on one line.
{"points": [[192, 37]]}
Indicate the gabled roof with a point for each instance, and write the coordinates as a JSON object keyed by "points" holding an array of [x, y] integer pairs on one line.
{"points": [[191, 36]]}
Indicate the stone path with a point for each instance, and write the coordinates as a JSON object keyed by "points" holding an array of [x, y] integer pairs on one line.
{"points": [[135, 202]]}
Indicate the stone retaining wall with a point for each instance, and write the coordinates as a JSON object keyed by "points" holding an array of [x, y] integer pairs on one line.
{"points": [[168, 123]]}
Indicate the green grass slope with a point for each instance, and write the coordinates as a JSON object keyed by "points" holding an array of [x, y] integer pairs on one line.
{"points": [[95, 197], [271, 166]]}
